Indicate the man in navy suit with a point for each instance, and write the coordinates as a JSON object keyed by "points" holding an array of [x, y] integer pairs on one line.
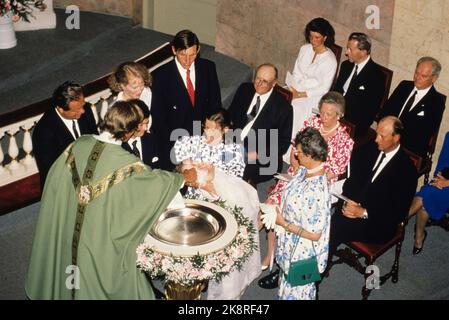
{"points": [[61, 125], [419, 106], [258, 110], [184, 90], [381, 186], [362, 83], [145, 145]]}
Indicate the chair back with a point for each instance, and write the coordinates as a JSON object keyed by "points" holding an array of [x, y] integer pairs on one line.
{"points": [[388, 76], [337, 50], [434, 137], [417, 160], [287, 94], [350, 127]]}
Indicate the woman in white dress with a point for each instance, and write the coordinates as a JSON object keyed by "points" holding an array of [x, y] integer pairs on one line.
{"points": [[132, 81], [223, 179], [313, 73]]}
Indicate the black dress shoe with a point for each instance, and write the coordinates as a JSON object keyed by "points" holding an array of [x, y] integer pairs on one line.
{"points": [[418, 250], [271, 281]]}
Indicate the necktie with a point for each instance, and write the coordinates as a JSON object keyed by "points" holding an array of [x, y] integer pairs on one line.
{"points": [[408, 105], [75, 131], [255, 109], [190, 88], [354, 77], [135, 150], [377, 166]]}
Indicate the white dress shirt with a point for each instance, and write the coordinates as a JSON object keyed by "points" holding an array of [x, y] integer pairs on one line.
{"points": [[387, 159], [138, 145], [360, 67], [69, 124], [183, 73], [263, 100], [419, 95]]}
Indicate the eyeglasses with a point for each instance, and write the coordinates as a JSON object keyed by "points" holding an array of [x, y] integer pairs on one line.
{"points": [[263, 82]]}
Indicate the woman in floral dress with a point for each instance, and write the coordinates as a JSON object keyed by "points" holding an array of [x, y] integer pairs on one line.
{"points": [[305, 217], [339, 150]]}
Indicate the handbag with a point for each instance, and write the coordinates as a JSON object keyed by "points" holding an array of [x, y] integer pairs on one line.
{"points": [[305, 271]]}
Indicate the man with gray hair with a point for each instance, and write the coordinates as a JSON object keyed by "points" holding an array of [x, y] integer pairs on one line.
{"points": [[419, 106], [361, 82]]}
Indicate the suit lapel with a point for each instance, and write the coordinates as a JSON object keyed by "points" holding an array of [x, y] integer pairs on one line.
{"points": [[421, 105], [180, 84], [65, 136]]}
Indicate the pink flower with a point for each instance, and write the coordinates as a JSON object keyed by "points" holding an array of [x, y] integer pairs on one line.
{"points": [[15, 18]]}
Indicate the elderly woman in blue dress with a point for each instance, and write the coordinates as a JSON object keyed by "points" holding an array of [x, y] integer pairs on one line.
{"points": [[304, 214], [432, 201]]}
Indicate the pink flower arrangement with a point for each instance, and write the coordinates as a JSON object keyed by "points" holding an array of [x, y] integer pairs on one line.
{"points": [[21, 9], [187, 270]]}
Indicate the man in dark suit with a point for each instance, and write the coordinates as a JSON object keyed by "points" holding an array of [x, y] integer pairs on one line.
{"points": [[380, 187], [419, 106], [362, 83], [143, 144], [184, 90], [61, 125], [265, 119]]}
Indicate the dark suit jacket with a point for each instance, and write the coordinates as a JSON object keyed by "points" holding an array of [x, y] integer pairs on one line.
{"points": [[276, 114], [51, 137], [417, 128], [171, 107], [364, 97], [387, 199], [151, 154]]}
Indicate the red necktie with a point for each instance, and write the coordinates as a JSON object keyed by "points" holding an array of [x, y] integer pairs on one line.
{"points": [[190, 88]]}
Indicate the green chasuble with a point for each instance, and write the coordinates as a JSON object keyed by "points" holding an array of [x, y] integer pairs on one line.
{"points": [[125, 199]]}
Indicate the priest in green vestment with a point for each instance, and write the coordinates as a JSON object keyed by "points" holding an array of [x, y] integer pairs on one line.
{"points": [[98, 204]]}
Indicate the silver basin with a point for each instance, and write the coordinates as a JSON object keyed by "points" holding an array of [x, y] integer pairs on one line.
{"points": [[191, 226]]}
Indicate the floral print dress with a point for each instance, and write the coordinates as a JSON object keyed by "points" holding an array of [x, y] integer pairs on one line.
{"points": [[306, 202], [228, 157], [339, 150]]}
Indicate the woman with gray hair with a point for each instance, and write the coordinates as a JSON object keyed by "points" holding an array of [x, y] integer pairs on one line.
{"points": [[339, 150], [303, 216]]}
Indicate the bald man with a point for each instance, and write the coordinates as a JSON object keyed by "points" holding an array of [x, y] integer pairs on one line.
{"points": [[265, 119], [380, 187]]}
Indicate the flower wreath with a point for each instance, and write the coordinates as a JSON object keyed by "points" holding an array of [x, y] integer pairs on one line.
{"points": [[212, 266]]}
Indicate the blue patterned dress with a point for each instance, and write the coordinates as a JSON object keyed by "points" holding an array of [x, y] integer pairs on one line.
{"points": [[306, 202]]}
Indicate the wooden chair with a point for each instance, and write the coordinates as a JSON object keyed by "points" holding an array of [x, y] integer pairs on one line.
{"points": [[350, 127], [337, 50], [287, 94], [426, 165], [356, 250], [388, 76]]}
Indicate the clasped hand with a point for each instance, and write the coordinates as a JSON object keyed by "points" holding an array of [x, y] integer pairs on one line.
{"points": [[352, 209], [439, 181]]}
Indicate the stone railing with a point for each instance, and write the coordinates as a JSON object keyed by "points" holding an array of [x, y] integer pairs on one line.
{"points": [[17, 161]]}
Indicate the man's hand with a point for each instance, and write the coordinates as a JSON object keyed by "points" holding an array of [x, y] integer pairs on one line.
{"points": [[352, 210]]}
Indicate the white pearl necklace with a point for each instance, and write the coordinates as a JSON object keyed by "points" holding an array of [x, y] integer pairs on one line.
{"points": [[323, 131], [316, 169]]}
